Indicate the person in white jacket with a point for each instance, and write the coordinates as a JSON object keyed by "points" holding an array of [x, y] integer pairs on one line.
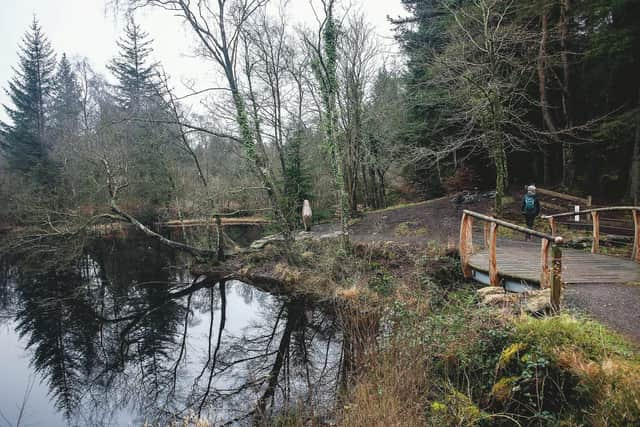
{"points": [[306, 215]]}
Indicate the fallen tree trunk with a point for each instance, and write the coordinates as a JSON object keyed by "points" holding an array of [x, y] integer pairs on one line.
{"points": [[197, 252]]}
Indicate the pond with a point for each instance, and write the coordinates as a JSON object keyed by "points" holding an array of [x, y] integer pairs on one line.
{"points": [[126, 336]]}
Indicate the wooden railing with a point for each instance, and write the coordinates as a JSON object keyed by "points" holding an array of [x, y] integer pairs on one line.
{"points": [[548, 277], [585, 201], [595, 217]]}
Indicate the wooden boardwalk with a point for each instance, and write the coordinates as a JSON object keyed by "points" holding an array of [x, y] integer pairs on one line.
{"points": [[520, 260]]}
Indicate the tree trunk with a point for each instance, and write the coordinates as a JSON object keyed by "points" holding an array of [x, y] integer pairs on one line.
{"points": [[634, 172], [542, 90], [366, 190], [500, 161], [568, 165], [381, 196], [547, 163], [261, 166]]}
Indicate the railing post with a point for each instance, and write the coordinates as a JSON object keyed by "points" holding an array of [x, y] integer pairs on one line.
{"points": [[636, 236], [544, 264], [466, 244], [494, 280], [485, 227], [595, 246], [556, 277], [552, 224]]}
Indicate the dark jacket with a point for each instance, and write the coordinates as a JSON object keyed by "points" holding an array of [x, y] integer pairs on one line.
{"points": [[536, 205]]}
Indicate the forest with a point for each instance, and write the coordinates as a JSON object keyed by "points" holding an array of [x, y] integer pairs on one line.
{"points": [[476, 100], [489, 94]]}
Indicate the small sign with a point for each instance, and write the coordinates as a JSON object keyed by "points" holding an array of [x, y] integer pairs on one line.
{"points": [[576, 209]]}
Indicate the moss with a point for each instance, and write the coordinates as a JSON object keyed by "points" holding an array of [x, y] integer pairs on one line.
{"points": [[509, 353], [456, 409], [503, 388], [566, 331], [410, 228]]}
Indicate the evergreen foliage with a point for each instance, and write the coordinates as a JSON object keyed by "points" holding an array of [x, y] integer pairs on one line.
{"points": [[134, 72], [65, 104], [24, 141], [297, 182]]}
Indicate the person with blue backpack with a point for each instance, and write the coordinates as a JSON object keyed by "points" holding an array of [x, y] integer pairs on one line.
{"points": [[530, 207]]}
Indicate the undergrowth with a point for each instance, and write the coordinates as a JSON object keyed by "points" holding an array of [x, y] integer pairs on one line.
{"points": [[451, 361], [439, 358]]}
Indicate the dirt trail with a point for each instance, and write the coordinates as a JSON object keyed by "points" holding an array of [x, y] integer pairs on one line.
{"points": [[438, 221]]}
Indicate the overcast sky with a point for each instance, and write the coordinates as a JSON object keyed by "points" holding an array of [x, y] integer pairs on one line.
{"points": [[85, 28]]}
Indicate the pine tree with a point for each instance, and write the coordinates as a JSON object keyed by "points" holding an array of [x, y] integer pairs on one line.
{"points": [[66, 102], [134, 74], [24, 141]]}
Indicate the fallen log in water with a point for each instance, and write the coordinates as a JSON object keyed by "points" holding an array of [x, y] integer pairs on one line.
{"points": [[248, 220], [197, 252]]}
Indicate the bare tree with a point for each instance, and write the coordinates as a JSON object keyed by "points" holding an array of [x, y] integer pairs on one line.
{"points": [[357, 69], [219, 27]]}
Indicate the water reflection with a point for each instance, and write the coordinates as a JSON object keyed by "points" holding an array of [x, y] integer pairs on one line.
{"points": [[125, 337]]}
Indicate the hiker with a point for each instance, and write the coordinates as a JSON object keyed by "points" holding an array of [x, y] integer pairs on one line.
{"points": [[530, 208]]}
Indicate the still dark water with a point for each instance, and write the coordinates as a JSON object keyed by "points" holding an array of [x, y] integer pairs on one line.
{"points": [[127, 336]]}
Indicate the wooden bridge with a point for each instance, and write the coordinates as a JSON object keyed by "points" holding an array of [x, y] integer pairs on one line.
{"points": [[514, 262]]}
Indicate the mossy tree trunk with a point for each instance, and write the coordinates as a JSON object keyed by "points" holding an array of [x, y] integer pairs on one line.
{"points": [[500, 162], [325, 68], [568, 161]]}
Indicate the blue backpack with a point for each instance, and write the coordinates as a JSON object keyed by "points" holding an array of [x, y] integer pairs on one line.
{"points": [[529, 203]]}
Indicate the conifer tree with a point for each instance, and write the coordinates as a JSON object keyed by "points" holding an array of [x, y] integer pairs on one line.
{"points": [[24, 141], [132, 69], [66, 102]]}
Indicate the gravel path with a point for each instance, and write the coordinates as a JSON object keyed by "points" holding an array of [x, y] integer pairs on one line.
{"points": [[616, 305]]}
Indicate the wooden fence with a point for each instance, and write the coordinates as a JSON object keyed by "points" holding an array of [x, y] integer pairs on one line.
{"points": [[585, 201]]}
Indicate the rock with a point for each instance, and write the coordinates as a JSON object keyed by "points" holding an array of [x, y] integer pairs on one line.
{"points": [[467, 197], [261, 243], [500, 299], [304, 235], [537, 301], [332, 235], [490, 290]]}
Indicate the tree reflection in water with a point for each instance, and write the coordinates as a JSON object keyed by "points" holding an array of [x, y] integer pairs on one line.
{"points": [[125, 338]]}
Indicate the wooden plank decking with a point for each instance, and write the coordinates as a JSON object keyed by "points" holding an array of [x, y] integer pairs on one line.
{"points": [[521, 260]]}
